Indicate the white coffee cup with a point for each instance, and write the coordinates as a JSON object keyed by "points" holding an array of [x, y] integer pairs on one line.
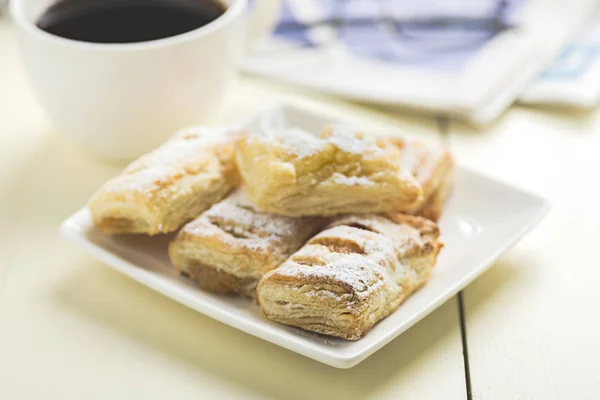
{"points": [[122, 100]]}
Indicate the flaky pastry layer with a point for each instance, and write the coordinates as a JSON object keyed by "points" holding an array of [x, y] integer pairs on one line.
{"points": [[351, 275], [228, 248], [168, 187], [343, 171], [434, 204], [433, 169]]}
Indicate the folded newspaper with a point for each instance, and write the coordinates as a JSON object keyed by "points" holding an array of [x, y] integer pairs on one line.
{"points": [[466, 58], [574, 78]]}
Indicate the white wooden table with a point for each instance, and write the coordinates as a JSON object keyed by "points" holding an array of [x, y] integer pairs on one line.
{"points": [[73, 329]]}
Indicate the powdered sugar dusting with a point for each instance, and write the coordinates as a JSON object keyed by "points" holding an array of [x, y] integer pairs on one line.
{"points": [[185, 148], [296, 141], [275, 128], [353, 270], [405, 236], [237, 216], [301, 143], [346, 138], [363, 271], [412, 155], [368, 242], [361, 259], [341, 179], [262, 224]]}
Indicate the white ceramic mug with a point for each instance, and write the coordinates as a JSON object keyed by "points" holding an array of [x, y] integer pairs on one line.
{"points": [[122, 100]]}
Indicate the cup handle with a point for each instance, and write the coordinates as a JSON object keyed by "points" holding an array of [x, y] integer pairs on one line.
{"points": [[261, 20]]}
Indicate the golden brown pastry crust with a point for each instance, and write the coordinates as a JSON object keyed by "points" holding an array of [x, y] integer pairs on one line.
{"points": [[352, 275], [434, 205], [344, 171], [433, 169], [168, 187], [228, 248]]}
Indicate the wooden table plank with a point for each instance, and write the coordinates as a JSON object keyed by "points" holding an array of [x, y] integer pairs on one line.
{"points": [[73, 329], [18, 114], [533, 320]]}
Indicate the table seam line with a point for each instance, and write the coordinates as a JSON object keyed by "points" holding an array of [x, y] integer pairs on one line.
{"points": [[443, 123]]}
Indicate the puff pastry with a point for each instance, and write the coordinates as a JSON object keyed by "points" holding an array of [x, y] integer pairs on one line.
{"points": [[343, 171], [229, 247], [433, 169], [352, 275], [168, 187], [435, 202]]}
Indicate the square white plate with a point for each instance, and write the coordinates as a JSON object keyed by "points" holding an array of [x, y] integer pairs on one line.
{"points": [[483, 219]]}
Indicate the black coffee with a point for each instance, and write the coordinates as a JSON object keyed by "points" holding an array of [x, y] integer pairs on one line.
{"points": [[127, 21]]}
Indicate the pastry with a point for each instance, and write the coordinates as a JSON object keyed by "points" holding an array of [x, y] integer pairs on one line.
{"points": [[343, 171], [434, 203], [351, 275], [228, 248], [168, 187], [433, 169]]}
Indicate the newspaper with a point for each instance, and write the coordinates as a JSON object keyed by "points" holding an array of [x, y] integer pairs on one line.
{"points": [[467, 58], [574, 78]]}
